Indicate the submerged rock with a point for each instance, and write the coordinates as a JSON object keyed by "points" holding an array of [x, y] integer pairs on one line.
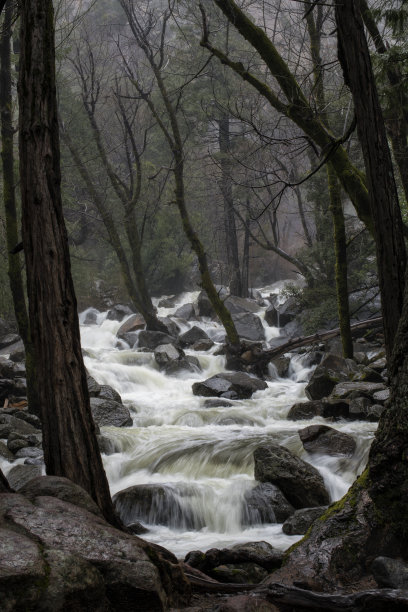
{"points": [[300, 482], [232, 386], [327, 441], [265, 503], [300, 521]]}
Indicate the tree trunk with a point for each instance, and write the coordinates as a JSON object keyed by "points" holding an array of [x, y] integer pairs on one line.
{"points": [[69, 439], [235, 282], [385, 212], [340, 248], [12, 238], [245, 259]]}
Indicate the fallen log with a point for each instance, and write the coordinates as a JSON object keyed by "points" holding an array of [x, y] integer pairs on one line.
{"points": [[255, 360], [294, 598]]}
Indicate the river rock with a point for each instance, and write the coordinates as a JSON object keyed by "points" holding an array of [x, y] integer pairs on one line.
{"points": [[363, 409], [321, 439], [380, 397], [9, 423], [332, 370], [239, 385], [281, 365], [129, 574], [6, 452], [249, 326], [110, 413], [12, 388], [238, 305], [119, 312], [168, 302], [186, 311], [202, 345], [91, 316], [30, 452], [109, 393], [265, 503], [390, 573], [301, 484], [261, 553], [336, 409], [271, 316], [106, 445], [173, 360], [359, 389], [17, 355], [154, 504], [193, 335], [132, 324], [19, 475], [9, 339], [299, 522], [239, 573], [152, 339], [93, 386]]}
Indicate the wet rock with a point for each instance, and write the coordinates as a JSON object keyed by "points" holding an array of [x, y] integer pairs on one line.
{"points": [[17, 355], [172, 328], [300, 521], [9, 424], [282, 366], [379, 365], [301, 484], [131, 339], [106, 445], [325, 440], [249, 326], [155, 504], [332, 370], [61, 488], [132, 324], [362, 389], [271, 316], [265, 503], [119, 312], [110, 413], [239, 385], [311, 358], [11, 369], [187, 312], [362, 409], [91, 317], [32, 419], [29, 452], [390, 573], [15, 445], [152, 339], [131, 579], [8, 340], [204, 307], [12, 388], [245, 603], [168, 302], [34, 461], [193, 335], [238, 305], [137, 528], [19, 475], [202, 345], [324, 408], [109, 393], [380, 397], [217, 403], [261, 553], [6, 452], [240, 573], [173, 360], [368, 374], [93, 386]]}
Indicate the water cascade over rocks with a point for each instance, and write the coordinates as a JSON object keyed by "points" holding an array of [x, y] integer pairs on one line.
{"points": [[182, 466]]}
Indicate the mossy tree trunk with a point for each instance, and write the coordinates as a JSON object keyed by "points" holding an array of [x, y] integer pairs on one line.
{"points": [[340, 249], [9, 197], [69, 438]]}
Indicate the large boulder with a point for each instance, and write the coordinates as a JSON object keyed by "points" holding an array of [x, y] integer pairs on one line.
{"points": [[346, 390], [8, 340], [155, 504], [173, 360], [249, 326], [186, 311], [332, 370], [231, 386], [321, 439], [19, 475], [152, 339], [58, 556], [119, 312], [9, 424], [107, 412], [335, 409], [204, 306], [299, 522], [265, 503], [132, 324], [61, 488], [301, 484], [271, 316], [238, 305], [193, 335]]}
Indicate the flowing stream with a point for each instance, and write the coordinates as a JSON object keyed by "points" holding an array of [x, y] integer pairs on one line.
{"points": [[203, 455]]}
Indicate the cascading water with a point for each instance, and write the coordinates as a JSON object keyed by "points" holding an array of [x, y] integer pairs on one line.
{"points": [[202, 456]]}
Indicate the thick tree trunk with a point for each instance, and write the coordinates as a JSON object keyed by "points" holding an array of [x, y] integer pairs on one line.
{"points": [[231, 239], [340, 248], [385, 212], [12, 237], [69, 439]]}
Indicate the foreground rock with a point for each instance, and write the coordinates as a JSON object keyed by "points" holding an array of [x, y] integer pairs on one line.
{"points": [[390, 573], [261, 553], [332, 370], [301, 483], [231, 386], [300, 521], [325, 440], [58, 556], [265, 503], [107, 413], [249, 326]]}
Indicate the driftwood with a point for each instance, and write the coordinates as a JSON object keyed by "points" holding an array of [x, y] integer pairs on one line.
{"points": [[255, 360], [376, 600]]}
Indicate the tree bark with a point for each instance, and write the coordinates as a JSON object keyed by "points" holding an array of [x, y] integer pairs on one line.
{"points": [[385, 212], [9, 197], [340, 249], [69, 439], [235, 281]]}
